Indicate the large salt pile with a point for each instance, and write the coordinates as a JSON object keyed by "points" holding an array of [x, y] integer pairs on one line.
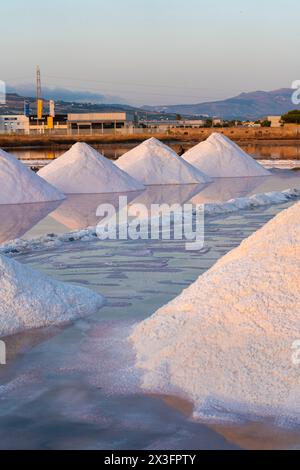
{"points": [[226, 342], [30, 299], [154, 163], [219, 157], [82, 170], [19, 185]]}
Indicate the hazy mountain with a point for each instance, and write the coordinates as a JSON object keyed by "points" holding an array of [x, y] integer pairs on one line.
{"points": [[253, 105], [65, 94], [244, 106], [15, 105]]}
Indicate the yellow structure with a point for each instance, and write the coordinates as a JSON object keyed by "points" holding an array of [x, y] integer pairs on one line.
{"points": [[40, 109], [50, 122]]}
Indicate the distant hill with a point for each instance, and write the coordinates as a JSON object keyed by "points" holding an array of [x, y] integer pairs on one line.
{"points": [[253, 105], [15, 105]]}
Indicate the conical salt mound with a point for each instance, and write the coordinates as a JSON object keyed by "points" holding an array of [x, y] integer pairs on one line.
{"points": [[154, 163], [30, 299], [20, 185], [219, 157], [226, 342], [82, 170]]}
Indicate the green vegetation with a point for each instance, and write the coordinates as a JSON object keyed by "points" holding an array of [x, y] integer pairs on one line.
{"points": [[292, 117], [265, 123]]}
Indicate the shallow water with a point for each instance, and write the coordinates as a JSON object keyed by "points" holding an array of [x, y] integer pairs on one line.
{"points": [[259, 150], [76, 387]]}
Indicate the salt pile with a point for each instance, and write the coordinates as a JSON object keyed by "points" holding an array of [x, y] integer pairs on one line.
{"points": [[219, 157], [154, 163], [20, 185], [226, 342], [82, 170], [30, 299]]}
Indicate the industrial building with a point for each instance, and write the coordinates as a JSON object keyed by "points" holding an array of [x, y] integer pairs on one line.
{"points": [[99, 121], [14, 124], [62, 123], [48, 123], [164, 125]]}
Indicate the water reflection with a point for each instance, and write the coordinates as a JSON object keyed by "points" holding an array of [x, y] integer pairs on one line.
{"points": [[168, 194], [16, 220], [78, 211], [278, 151], [224, 189]]}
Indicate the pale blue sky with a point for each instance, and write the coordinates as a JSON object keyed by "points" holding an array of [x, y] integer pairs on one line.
{"points": [[155, 52]]}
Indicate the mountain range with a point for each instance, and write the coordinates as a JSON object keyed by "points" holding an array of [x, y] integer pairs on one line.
{"points": [[254, 105], [15, 105]]}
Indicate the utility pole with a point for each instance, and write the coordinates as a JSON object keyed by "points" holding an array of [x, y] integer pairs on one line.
{"points": [[39, 101], [38, 84]]}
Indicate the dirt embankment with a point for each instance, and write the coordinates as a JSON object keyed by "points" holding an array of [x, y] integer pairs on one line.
{"points": [[291, 134]]}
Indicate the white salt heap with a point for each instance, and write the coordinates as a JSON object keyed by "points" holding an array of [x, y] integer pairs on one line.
{"points": [[30, 299], [82, 170], [20, 185], [226, 342], [219, 157], [154, 163]]}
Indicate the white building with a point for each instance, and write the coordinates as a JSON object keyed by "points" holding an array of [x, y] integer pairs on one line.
{"points": [[91, 121], [275, 121], [14, 124]]}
